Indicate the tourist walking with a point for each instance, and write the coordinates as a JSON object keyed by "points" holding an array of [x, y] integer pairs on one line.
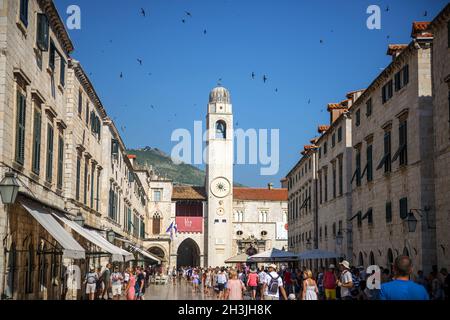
{"points": [[310, 290], [273, 285], [221, 282], [129, 290], [139, 287], [116, 283], [106, 279], [252, 282], [402, 288], [235, 287], [329, 283], [261, 281], [91, 283], [345, 282]]}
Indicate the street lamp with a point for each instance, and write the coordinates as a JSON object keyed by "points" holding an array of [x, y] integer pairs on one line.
{"points": [[9, 187], [412, 222], [110, 235], [79, 219]]}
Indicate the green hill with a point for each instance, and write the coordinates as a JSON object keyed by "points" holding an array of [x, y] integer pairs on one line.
{"points": [[163, 166]]}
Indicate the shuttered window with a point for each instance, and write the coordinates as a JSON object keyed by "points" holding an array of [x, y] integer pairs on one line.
{"points": [[77, 188], [98, 191], [92, 186], [52, 56], [49, 171], [42, 32], [36, 161], [404, 208], [20, 128], [24, 12], [405, 75], [62, 72], [85, 189], [369, 163], [388, 212], [80, 102], [59, 182]]}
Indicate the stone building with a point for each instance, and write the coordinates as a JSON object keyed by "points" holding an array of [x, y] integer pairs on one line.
{"points": [[396, 154], [57, 142], [302, 208], [440, 28], [392, 159]]}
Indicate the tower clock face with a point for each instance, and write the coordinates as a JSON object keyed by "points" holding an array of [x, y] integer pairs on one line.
{"points": [[220, 187]]}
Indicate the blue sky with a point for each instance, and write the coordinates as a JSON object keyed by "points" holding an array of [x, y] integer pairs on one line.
{"points": [[279, 38]]}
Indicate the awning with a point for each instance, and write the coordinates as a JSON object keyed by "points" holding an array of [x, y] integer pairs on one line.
{"points": [[145, 253], [318, 254], [240, 258], [117, 254], [71, 248], [274, 255]]}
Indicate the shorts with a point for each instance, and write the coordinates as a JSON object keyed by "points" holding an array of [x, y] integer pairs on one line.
{"points": [[117, 290], [330, 294], [221, 287], [90, 288], [253, 288], [271, 297]]}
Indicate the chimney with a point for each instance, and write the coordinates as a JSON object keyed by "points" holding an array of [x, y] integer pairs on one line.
{"points": [[270, 186], [132, 157]]}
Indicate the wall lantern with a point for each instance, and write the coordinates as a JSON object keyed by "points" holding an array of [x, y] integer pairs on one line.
{"points": [[9, 187]]}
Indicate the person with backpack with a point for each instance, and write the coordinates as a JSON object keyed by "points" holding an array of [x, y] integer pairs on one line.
{"points": [[345, 282], [273, 285], [91, 283]]}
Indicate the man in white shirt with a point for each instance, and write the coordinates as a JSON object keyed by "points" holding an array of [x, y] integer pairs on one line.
{"points": [[273, 285], [261, 280], [345, 282]]}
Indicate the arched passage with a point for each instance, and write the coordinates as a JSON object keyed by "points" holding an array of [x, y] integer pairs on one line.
{"points": [[188, 253], [157, 251]]}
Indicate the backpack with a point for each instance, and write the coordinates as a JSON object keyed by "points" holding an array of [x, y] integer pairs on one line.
{"points": [[272, 288]]}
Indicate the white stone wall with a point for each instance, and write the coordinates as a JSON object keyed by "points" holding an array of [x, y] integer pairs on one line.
{"points": [[247, 218], [413, 181], [441, 119]]}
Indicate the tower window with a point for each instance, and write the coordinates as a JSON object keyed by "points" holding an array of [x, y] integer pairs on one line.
{"points": [[221, 130]]}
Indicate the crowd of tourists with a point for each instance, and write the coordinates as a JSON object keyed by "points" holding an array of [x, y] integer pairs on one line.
{"points": [[111, 283], [341, 282]]}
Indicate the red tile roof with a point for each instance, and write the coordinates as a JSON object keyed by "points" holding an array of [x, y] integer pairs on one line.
{"points": [[323, 128], [132, 156], [420, 28], [309, 147], [394, 48], [188, 193], [260, 194]]}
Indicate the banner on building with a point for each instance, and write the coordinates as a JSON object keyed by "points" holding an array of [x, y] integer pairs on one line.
{"points": [[189, 224], [282, 231]]}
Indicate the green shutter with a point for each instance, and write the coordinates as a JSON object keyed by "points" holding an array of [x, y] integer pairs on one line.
{"points": [[62, 75], [77, 188], [52, 56], [20, 131], [60, 162], [37, 142], [404, 208], [49, 153]]}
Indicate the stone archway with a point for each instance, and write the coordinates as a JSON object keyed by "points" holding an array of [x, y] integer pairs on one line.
{"points": [[157, 251], [188, 253]]}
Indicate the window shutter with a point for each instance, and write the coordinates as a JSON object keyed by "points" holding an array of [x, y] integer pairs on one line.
{"points": [[60, 162], [388, 212], [24, 12], [62, 75], [52, 56], [404, 208], [49, 153], [36, 142], [20, 134], [42, 32], [405, 75]]}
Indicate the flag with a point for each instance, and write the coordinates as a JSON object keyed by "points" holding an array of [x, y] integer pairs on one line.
{"points": [[172, 229]]}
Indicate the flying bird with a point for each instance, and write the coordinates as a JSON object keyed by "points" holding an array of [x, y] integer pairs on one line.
{"points": [[253, 76], [425, 13], [182, 20], [276, 89], [188, 13], [387, 8], [204, 31], [121, 75], [152, 106], [264, 78], [139, 61], [321, 41], [143, 12], [309, 101]]}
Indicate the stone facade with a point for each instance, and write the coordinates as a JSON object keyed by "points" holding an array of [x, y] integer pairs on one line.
{"points": [[56, 138], [440, 27], [395, 155]]}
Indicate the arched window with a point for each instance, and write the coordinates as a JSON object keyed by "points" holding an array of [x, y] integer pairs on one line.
{"points": [[29, 268], [360, 259], [390, 259], [371, 259], [406, 252], [156, 226], [11, 272], [221, 130]]}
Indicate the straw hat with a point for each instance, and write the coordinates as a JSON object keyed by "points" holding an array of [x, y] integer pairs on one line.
{"points": [[273, 266], [346, 264]]}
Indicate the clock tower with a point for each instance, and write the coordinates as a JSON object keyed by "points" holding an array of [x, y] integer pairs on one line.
{"points": [[219, 177]]}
